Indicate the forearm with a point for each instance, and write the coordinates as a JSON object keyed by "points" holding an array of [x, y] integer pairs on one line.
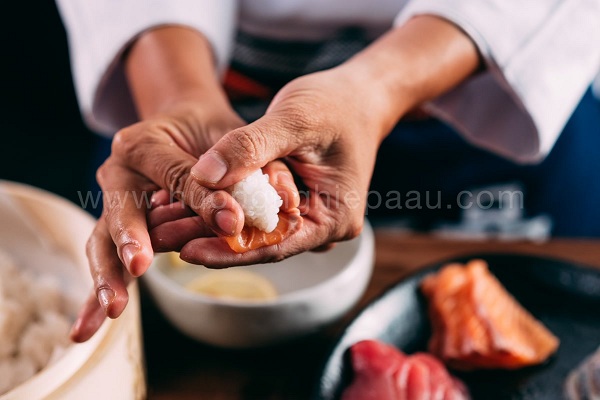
{"points": [[411, 64], [171, 65]]}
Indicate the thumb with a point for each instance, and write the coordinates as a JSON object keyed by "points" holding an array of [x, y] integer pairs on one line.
{"points": [[243, 151]]}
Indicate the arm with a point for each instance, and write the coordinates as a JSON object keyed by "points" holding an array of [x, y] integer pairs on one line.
{"points": [[100, 32], [412, 64], [540, 58], [172, 65]]}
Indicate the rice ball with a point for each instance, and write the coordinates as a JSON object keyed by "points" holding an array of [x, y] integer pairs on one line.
{"points": [[34, 327], [259, 201]]}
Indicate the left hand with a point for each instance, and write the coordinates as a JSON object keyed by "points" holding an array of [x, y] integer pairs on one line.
{"points": [[147, 156]]}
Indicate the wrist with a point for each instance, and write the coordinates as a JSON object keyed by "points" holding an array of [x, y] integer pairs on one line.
{"points": [[385, 103], [169, 66], [412, 64]]}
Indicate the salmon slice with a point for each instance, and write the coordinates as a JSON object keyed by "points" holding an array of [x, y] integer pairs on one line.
{"points": [[476, 323], [252, 238]]}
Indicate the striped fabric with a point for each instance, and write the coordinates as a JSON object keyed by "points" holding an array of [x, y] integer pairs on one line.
{"points": [[260, 67]]}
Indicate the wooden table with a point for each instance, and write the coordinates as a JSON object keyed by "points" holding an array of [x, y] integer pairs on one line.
{"points": [[180, 368]]}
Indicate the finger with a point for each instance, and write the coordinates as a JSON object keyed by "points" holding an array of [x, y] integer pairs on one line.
{"points": [[108, 275], [282, 180], [172, 236], [124, 217], [110, 285], [160, 198], [242, 151], [160, 157], [215, 253], [88, 321], [167, 213]]}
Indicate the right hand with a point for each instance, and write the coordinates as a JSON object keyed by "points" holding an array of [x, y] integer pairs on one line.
{"points": [[329, 137]]}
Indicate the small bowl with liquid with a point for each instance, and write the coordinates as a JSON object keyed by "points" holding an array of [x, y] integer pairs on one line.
{"points": [[262, 304]]}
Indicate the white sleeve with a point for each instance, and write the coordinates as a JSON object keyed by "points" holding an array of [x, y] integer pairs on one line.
{"points": [[100, 30], [541, 56]]}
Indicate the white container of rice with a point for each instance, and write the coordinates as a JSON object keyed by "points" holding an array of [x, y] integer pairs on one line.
{"points": [[45, 236]]}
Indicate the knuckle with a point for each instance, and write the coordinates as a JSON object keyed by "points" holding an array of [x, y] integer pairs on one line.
{"points": [[124, 141], [194, 196], [213, 201], [354, 229], [112, 206], [250, 142], [122, 237], [175, 178], [311, 129], [349, 230], [301, 119], [102, 174], [130, 145]]}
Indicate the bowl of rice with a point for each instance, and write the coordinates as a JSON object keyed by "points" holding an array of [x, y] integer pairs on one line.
{"points": [[44, 279], [266, 304]]}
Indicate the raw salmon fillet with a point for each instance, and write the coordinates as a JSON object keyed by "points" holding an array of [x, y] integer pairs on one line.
{"points": [[382, 372], [477, 324], [252, 238]]}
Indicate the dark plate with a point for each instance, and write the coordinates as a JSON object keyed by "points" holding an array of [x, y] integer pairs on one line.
{"points": [[564, 296]]}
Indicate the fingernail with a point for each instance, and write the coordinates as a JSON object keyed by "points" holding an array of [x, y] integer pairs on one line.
{"points": [[210, 168], [129, 251], [106, 296], [226, 220]]}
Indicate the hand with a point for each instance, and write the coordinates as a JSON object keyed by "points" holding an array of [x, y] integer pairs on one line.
{"points": [[326, 135], [150, 155]]}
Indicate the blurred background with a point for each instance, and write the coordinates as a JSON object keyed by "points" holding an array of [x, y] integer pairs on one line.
{"points": [[44, 141]]}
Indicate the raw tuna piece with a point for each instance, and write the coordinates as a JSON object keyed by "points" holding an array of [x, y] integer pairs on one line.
{"points": [[382, 372]]}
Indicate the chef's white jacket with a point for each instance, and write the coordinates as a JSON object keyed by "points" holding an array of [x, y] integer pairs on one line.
{"points": [[541, 55]]}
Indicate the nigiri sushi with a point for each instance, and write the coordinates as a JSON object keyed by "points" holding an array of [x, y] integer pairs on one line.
{"points": [[477, 324], [268, 220]]}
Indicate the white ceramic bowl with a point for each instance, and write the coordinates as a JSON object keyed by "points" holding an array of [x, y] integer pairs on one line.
{"points": [[43, 232], [314, 289]]}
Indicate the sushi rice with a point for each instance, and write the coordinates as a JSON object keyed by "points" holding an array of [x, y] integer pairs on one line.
{"points": [[259, 201], [34, 327]]}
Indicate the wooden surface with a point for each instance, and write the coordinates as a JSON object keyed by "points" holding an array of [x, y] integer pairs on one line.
{"points": [[180, 368]]}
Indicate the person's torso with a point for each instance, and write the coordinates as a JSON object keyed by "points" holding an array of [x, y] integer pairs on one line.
{"points": [[299, 20], [278, 41]]}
